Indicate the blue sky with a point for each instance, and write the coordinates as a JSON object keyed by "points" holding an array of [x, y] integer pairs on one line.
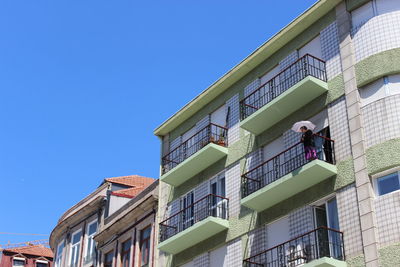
{"points": [[83, 84]]}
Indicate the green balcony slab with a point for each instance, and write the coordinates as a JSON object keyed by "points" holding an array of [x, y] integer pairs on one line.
{"points": [[295, 182], [326, 262], [191, 236], [285, 104], [196, 163]]}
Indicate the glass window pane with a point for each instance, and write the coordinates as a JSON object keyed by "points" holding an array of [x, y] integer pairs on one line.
{"points": [[388, 184], [18, 263], [76, 238], [92, 228], [41, 264]]}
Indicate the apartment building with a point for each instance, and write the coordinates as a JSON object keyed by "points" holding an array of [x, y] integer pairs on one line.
{"points": [[26, 256], [72, 239], [235, 186]]}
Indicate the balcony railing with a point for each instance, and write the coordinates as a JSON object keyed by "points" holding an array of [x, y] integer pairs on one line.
{"points": [[316, 244], [307, 65], [284, 163], [210, 205], [212, 133]]}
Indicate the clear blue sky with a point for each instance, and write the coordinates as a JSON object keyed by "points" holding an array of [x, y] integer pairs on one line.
{"points": [[83, 84]]}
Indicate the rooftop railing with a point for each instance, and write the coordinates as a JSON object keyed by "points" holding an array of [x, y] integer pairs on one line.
{"points": [[316, 244], [212, 133], [284, 163], [210, 205], [307, 65]]}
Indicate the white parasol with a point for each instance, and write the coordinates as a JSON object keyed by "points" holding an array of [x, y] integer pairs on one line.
{"points": [[296, 127]]}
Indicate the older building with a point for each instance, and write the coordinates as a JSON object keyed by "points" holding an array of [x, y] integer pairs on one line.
{"points": [[236, 187], [129, 236], [28, 256], [72, 238]]}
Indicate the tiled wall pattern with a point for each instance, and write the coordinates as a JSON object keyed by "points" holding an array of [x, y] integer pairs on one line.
{"points": [[289, 60], [257, 241], [330, 50], [202, 261], [172, 208], [349, 220], [301, 221], [378, 34], [379, 115], [175, 143], [254, 85], [290, 138], [233, 119], [339, 127], [203, 123], [387, 209], [254, 159], [201, 190], [233, 189], [234, 257]]}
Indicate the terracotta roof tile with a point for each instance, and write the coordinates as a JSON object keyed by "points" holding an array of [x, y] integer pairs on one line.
{"points": [[131, 180], [129, 192], [36, 250]]}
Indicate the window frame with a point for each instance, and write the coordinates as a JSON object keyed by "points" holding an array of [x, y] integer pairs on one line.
{"points": [[382, 175], [112, 259], [88, 237], [59, 256], [142, 241], [18, 259], [126, 252], [42, 262], [74, 245]]}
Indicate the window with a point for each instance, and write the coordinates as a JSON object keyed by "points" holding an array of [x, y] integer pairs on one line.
{"points": [[91, 231], [381, 88], [75, 248], [58, 259], [40, 263], [18, 262], [108, 259], [145, 246], [362, 14], [125, 253], [387, 184]]}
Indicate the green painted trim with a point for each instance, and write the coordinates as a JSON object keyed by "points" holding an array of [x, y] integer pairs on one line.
{"points": [[321, 10], [196, 163], [289, 185], [200, 231], [383, 156], [376, 66], [282, 106], [390, 256], [326, 262], [353, 4]]}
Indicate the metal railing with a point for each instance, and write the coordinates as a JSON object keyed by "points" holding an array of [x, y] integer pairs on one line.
{"points": [[318, 243], [307, 65], [284, 163], [210, 205], [212, 133]]}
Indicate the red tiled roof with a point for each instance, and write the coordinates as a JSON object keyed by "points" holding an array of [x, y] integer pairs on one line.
{"points": [[36, 250], [131, 180], [129, 192]]}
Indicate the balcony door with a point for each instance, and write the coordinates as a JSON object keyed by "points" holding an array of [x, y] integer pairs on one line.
{"points": [[187, 208], [273, 169], [218, 117], [218, 205], [329, 242], [277, 233]]}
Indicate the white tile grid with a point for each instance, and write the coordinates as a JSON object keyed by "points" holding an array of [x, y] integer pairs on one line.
{"points": [[234, 256], [172, 208], [339, 128], [234, 119], [349, 220], [254, 85], [175, 143], [387, 209], [254, 159], [233, 189], [203, 123], [257, 241], [289, 139], [330, 50], [202, 261], [381, 120], [201, 190], [289, 60], [301, 221], [378, 34]]}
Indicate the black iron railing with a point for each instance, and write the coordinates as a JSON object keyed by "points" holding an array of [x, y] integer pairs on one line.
{"points": [[318, 243], [285, 162], [307, 65], [210, 205], [212, 133]]}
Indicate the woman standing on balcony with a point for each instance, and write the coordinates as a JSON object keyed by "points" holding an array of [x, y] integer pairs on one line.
{"points": [[308, 141]]}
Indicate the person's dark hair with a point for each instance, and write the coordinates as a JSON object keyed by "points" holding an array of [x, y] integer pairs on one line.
{"points": [[303, 128]]}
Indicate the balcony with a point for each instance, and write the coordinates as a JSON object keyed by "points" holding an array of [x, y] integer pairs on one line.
{"points": [[322, 247], [194, 155], [287, 174], [193, 224], [285, 93]]}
